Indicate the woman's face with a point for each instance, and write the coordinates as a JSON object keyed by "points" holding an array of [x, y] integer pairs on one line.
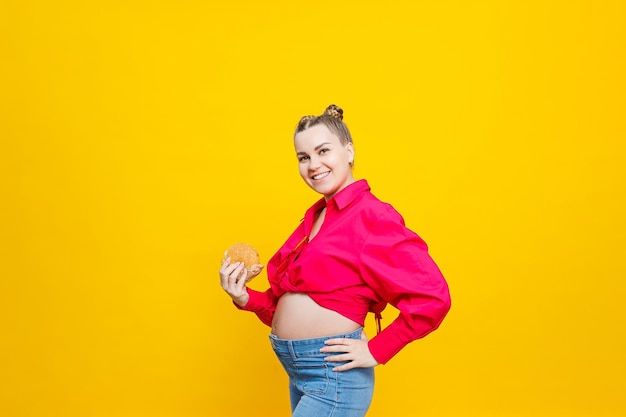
{"points": [[324, 161]]}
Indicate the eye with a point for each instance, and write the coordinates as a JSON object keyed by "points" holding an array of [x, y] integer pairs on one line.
{"points": [[324, 150], [302, 158]]}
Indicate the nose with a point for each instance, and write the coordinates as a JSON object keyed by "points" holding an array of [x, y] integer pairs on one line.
{"points": [[314, 163]]}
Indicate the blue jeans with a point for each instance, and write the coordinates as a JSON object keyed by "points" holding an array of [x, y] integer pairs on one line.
{"points": [[315, 389]]}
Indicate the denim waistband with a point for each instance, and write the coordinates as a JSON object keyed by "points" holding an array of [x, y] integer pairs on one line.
{"points": [[307, 347], [356, 334]]}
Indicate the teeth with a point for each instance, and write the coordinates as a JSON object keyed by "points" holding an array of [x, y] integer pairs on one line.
{"points": [[320, 176]]}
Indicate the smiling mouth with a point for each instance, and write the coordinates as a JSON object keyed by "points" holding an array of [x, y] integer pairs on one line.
{"points": [[320, 176]]}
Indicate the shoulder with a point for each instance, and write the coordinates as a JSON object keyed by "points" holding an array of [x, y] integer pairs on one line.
{"points": [[375, 208], [379, 217]]}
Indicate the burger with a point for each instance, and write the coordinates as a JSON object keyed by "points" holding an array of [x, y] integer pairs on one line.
{"points": [[246, 254]]}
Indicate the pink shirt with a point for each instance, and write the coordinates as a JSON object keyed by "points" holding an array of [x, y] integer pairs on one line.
{"points": [[362, 258]]}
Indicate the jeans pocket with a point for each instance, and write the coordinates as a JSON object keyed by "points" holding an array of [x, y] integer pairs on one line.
{"points": [[313, 378]]}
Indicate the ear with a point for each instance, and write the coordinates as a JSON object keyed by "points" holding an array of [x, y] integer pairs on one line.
{"points": [[350, 150]]}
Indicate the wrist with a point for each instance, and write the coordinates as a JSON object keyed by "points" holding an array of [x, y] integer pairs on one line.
{"points": [[243, 300]]}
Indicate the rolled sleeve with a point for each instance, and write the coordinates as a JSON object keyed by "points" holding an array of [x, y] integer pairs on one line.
{"points": [[395, 262], [263, 304]]}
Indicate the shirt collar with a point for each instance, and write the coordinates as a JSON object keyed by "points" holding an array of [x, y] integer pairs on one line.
{"points": [[341, 200], [346, 196]]}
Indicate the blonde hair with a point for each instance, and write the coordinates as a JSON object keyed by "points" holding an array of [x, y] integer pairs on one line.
{"points": [[332, 118]]}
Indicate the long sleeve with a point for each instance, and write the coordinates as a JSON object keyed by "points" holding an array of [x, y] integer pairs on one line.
{"points": [[263, 304], [396, 264]]}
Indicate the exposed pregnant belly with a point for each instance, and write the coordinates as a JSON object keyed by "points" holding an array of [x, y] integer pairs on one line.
{"points": [[297, 316]]}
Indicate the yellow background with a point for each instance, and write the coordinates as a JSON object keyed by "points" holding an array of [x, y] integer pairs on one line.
{"points": [[140, 138]]}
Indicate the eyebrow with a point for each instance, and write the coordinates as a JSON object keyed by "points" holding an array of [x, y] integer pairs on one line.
{"points": [[316, 148]]}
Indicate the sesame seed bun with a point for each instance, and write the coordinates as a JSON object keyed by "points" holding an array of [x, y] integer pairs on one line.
{"points": [[248, 255]]}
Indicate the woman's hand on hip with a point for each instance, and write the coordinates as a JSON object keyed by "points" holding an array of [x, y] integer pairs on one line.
{"points": [[355, 351], [233, 281]]}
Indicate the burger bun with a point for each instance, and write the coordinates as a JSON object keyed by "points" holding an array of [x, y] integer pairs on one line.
{"points": [[246, 254]]}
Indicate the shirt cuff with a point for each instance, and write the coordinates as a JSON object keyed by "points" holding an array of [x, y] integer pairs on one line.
{"points": [[254, 301], [385, 345]]}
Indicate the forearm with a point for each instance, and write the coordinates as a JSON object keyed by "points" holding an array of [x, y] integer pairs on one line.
{"points": [[263, 304]]}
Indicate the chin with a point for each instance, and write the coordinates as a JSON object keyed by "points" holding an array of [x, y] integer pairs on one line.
{"points": [[328, 192], [319, 190]]}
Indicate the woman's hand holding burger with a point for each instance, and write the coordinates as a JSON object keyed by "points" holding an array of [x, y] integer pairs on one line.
{"points": [[240, 264]]}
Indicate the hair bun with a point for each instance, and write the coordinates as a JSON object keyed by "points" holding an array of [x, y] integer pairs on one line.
{"points": [[305, 119], [334, 111]]}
